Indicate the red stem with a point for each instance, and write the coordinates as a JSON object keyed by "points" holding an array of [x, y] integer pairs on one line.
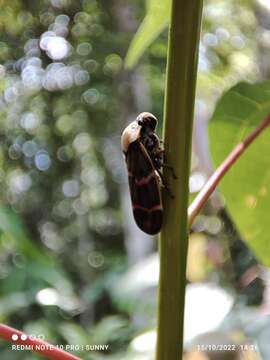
{"points": [[37, 345], [214, 180]]}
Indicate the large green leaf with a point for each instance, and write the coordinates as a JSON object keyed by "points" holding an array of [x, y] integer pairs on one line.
{"points": [[10, 223], [246, 187], [40, 265], [156, 19]]}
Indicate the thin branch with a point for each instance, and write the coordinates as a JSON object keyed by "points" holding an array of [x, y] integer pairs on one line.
{"points": [[36, 345], [219, 173]]}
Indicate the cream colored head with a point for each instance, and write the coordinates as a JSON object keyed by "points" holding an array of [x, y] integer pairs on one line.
{"points": [[130, 134], [147, 119], [133, 130]]}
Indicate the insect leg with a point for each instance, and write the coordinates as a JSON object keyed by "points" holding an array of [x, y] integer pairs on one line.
{"points": [[169, 167], [164, 164], [164, 185], [169, 191]]}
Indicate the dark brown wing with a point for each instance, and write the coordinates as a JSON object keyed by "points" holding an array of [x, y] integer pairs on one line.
{"points": [[144, 189]]}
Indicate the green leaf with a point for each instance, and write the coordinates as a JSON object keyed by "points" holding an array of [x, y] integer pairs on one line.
{"points": [[10, 224], [109, 329], [11, 303], [74, 334], [155, 21], [40, 265], [246, 187]]}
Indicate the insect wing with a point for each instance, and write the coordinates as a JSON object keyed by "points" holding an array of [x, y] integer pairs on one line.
{"points": [[144, 189]]}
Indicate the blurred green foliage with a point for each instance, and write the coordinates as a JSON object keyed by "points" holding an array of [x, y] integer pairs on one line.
{"points": [[60, 220], [246, 187], [156, 19], [65, 96]]}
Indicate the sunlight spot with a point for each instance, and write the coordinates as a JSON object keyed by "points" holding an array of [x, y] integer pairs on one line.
{"points": [[265, 3], [42, 160], [48, 296], [251, 201], [71, 188], [145, 342], [196, 182]]}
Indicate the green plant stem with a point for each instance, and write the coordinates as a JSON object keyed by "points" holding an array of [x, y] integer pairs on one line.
{"points": [[178, 118], [220, 172]]}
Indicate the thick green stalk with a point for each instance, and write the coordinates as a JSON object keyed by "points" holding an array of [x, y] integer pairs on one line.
{"points": [[178, 114]]}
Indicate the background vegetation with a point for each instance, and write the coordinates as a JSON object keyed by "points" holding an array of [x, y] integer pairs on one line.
{"points": [[73, 266]]}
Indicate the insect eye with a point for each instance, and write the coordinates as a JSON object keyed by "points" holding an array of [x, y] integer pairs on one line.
{"points": [[153, 123]]}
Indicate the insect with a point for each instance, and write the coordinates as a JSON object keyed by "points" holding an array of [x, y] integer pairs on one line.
{"points": [[144, 158]]}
